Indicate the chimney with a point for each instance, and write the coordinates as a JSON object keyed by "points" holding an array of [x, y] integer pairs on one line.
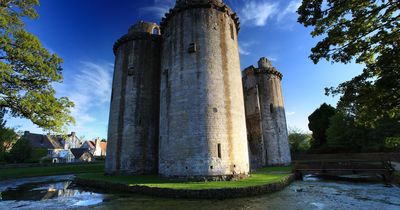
{"points": [[73, 134], [26, 133]]}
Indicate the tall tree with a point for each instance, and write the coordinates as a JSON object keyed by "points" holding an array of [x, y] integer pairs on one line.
{"points": [[367, 32], [28, 70], [319, 122]]}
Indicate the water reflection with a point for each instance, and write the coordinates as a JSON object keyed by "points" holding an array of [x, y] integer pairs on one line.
{"points": [[312, 193], [48, 193]]}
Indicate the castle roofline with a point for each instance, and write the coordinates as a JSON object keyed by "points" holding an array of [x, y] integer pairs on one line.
{"points": [[139, 31], [264, 67], [183, 5]]}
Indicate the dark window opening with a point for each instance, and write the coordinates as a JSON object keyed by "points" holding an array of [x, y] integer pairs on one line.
{"points": [[271, 108], [219, 151], [156, 31], [192, 48], [211, 167], [232, 32]]}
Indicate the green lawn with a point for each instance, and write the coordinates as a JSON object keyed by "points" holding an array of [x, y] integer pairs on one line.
{"points": [[261, 177], [11, 173]]}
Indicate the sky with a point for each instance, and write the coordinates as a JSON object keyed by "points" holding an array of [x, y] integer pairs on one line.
{"points": [[83, 32]]}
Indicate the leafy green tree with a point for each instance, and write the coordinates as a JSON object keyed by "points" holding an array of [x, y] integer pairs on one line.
{"points": [[299, 141], [21, 151], [367, 32], [319, 122], [28, 70]]}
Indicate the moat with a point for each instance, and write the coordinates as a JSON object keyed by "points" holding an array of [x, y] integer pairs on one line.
{"points": [[59, 192]]}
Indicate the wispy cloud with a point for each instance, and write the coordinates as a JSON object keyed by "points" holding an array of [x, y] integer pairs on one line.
{"points": [[90, 89], [244, 47], [290, 9], [159, 8], [258, 12], [290, 113]]}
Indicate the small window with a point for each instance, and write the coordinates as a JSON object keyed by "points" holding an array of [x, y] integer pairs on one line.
{"points": [[219, 151], [271, 108], [232, 32], [156, 31], [192, 48]]}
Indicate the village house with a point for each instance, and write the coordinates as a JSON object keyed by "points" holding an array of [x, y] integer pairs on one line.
{"points": [[97, 147]]}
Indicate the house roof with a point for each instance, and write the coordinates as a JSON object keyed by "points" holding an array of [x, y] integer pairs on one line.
{"points": [[78, 152], [44, 141]]}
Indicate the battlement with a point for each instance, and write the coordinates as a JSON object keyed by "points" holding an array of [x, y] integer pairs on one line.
{"points": [[182, 5], [264, 67], [140, 30]]}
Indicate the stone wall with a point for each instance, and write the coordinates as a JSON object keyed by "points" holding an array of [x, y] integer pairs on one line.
{"points": [[133, 124], [202, 119], [265, 116]]}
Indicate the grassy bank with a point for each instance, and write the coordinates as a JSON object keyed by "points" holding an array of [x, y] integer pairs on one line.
{"points": [[11, 173], [261, 177]]}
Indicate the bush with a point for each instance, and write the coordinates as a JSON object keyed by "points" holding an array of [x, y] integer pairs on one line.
{"points": [[21, 151], [37, 154], [299, 142], [392, 143]]}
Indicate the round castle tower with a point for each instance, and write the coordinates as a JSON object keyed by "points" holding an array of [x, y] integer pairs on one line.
{"points": [[202, 117], [273, 115], [134, 114]]}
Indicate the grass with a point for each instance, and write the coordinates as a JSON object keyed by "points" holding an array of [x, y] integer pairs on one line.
{"points": [[10, 173], [261, 177]]}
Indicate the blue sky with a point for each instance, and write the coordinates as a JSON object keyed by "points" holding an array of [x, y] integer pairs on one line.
{"points": [[83, 32]]}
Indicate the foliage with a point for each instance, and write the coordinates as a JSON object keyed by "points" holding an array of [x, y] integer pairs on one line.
{"points": [[28, 70], [37, 155], [299, 141], [367, 32], [21, 151], [7, 136], [392, 143], [319, 122]]}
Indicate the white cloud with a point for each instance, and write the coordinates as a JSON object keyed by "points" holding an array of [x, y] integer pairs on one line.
{"points": [[290, 113], [258, 12], [290, 9], [244, 47], [90, 89], [159, 8]]}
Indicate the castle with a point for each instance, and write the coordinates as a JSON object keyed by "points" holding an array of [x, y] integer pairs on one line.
{"points": [[180, 106]]}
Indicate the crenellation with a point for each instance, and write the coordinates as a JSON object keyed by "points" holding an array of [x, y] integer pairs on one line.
{"points": [[182, 108]]}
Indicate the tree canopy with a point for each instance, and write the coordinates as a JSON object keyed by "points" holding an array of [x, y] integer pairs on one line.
{"points": [[28, 70], [319, 122], [366, 32]]}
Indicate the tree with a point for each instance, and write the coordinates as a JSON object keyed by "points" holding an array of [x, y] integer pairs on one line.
{"points": [[367, 32], [28, 70], [319, 122], [299, 141], [21, 151]]}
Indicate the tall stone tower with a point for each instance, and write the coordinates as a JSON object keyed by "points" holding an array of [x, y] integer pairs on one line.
{"points": [[202, 117], [265, 115], [134, 115]]}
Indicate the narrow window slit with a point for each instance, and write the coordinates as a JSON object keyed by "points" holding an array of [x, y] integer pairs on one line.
{"points": [[219, 151]]}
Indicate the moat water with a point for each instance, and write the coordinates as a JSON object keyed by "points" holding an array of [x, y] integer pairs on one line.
{"points": [[58, 192]]}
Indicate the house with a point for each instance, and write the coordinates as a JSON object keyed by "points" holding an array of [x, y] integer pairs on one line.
{"points": [[97, 147], [60, 155], [82, 155], [58, 146]]}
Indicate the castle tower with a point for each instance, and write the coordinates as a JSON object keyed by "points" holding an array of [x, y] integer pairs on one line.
{"points": [[273, 114], [265, 116], [134, 114], [202, 118]]}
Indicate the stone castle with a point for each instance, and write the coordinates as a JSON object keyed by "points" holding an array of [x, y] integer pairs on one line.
{"points": [[180, 106]]}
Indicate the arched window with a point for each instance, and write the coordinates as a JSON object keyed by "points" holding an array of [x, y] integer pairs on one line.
{"points": [[156, 31]]}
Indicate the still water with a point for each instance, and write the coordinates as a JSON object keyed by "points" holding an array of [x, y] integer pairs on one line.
{"points": [[58, 192]]}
